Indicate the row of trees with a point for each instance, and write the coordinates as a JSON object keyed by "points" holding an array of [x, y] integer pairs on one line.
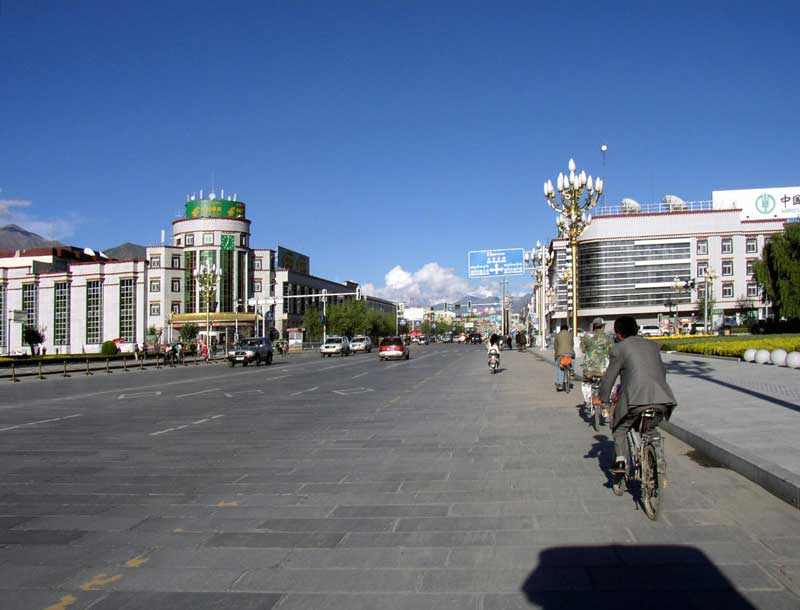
{"points": [[778, 271], [348, 319]]}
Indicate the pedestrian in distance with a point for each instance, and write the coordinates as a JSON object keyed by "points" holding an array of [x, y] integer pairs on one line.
{"points": [[564, 346], [637, 362]]}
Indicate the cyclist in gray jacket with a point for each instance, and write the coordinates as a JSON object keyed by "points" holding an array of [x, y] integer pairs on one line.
{"points": [[637, 362]]}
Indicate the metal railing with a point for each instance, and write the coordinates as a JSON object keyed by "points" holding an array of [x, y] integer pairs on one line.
{"points": [[653, 208]]}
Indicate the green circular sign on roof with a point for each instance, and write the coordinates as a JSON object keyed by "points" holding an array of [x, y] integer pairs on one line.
{"points": [[214, 208]]}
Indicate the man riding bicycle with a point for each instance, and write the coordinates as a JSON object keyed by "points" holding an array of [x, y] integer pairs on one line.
{"points": [[565, 346], [637, 362], [596, 347]]}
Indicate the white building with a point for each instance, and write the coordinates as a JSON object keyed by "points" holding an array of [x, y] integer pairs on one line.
{"points": [[630, 256], [80, 298]]}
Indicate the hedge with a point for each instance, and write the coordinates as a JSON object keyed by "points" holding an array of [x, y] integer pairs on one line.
{"points": [[730, 346]]}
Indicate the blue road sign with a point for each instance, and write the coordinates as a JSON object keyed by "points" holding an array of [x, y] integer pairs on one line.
{"points": [[496, 263]]}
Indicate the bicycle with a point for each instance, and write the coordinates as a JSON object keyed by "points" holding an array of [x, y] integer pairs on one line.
{"points": [[647, 465], [593, 411]]}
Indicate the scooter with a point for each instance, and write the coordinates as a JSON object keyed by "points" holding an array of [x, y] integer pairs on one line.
{"points": [[494, 361]]}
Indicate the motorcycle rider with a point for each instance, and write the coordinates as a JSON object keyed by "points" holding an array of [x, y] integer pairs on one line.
{"points": [[494, 347], [596, 347]]}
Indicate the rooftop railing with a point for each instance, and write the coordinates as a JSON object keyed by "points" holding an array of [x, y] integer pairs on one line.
{"points": [[632, 207]]}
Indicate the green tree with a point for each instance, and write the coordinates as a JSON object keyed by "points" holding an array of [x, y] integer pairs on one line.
{"points": [[188, 333], [312, 324], [745, 307], [33, 337], [348, 318], [778, 271]]}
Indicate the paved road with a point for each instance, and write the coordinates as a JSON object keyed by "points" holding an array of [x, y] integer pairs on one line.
{"points": [[349, 483]]}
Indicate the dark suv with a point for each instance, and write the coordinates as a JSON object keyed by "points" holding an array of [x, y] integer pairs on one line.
{"points": [[257, 349]]}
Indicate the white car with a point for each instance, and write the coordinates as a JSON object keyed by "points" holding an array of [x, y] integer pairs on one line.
{"points": [[650, 330], [335, 345], [361, 344]]}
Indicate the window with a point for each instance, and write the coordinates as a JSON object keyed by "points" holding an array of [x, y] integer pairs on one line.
{"points": [[257, 264], [243, 240], [208, 239], [178, 241], [61, 314], [176, 285], [155, 262], [30, 305], [155, 309], [2, 314], [702, 247], [727, 245], [727, 291], [189, 281], [256, 286], [701, 269], [155, 285], [750, 266], [751, 245], [189, 239], [94, 311], [752, 290], [727, 267], [176, 261], [175, 307], [127, 310]]}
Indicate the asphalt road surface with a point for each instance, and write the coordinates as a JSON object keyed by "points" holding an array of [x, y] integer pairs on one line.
{"points": [[349, 483]]}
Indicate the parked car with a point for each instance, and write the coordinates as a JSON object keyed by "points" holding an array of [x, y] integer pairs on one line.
{"points": [[393, 348], [257, 349], [361, 343], [335, 345], [422, 340], [650, 330], [475, 338]]}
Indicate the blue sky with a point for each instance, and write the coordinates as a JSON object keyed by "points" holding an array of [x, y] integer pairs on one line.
{"points": [[372, 135]]}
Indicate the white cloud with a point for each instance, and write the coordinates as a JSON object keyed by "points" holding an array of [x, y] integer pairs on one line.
{"points": [[11, 212], [431, 283]]}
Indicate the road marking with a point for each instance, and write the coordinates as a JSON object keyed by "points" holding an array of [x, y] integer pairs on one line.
{"points": [[216, 416], [224, 504], [395, 399], [162, 432], [196, 393], [359, 375], [136, 562], [351, 391], [100, 581], [304, 391], [182, 427], [200, 421], [232, 394], [64, 603], [138, 395], [194, 423], [42, 421]]}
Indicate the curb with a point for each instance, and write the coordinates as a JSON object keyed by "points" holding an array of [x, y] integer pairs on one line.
{"points": [[778, 481]]}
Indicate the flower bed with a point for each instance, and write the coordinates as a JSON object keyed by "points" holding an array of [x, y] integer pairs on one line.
{"points": [[729, 346]]}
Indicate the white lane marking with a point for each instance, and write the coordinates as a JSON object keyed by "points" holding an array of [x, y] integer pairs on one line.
{"points": [[199, 421], [232, 394], [41, 421], [304, 391], [196, 393], [359, 375], [351, 391], [138, 395]]}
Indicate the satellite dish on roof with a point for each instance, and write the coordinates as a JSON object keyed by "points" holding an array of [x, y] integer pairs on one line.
{"points": [[675, 203], [630, 206]]}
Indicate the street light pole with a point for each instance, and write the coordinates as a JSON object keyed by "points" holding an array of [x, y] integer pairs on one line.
{"points": [[207, 276], [709, 277], [578, 193]]}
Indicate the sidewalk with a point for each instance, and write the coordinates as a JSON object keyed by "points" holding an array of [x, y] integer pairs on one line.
{"points": [[745, 416]]}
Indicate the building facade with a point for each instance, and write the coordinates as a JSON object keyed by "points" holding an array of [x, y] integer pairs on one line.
{"points": [[652, 261], [80, 298]]}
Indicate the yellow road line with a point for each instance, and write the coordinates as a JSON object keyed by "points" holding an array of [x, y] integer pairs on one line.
{"points": [[65, 602], [100, 581]]}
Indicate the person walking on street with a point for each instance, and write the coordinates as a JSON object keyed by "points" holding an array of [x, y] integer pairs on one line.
{"points": [[564, 346], [596, 347], [637, 362]]}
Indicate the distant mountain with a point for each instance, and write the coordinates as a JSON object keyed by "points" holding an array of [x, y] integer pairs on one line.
{"points": [[14, 237], [127, 252]]}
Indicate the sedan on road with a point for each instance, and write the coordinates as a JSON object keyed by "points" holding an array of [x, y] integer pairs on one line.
{"points": [[335, 345], [361, 344], [393, 348]]}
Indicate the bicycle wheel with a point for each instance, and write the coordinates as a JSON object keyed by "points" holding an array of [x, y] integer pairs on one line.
{"points": [[651, 483], [567, 381], [596, 410]]}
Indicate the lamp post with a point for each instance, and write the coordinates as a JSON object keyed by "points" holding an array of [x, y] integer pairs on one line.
{"points": [[207, 277], [539, 260], [566, 277], [577, 193], [709, 277]]}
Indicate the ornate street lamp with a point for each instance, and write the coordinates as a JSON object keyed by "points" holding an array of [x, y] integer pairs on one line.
{"points": [[207, 276], [709, 277], [577, 193], [540, 259]]}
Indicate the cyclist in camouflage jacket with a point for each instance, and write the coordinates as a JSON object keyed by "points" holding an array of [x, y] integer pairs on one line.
{"points": [[596, 347]]}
